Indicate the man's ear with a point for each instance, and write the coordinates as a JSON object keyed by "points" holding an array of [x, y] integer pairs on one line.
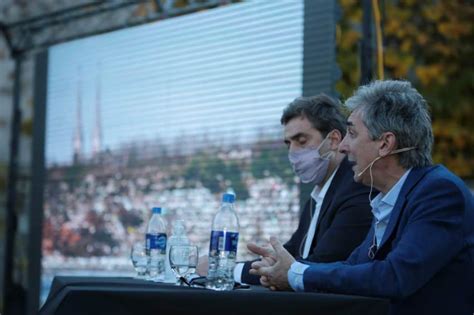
{"points": [[335, 138], [388, 143]]}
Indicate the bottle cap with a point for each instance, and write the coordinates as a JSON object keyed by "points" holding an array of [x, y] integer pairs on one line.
{"points": [[156, 210], [228, 198]]}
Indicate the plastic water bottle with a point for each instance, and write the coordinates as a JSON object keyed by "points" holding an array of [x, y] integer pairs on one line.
{"points": [[156, 246], [177, 238], [223, 246]]}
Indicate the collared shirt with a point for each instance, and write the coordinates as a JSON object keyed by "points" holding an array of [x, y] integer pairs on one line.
{"points": [[382, 206], [317, 195]]}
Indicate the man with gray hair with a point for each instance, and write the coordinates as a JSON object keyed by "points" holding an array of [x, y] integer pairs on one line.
{"points": [[419, 252]]}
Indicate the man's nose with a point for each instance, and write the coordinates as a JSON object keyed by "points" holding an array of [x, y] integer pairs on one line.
{"points": [[343, 146], [291, 147]]}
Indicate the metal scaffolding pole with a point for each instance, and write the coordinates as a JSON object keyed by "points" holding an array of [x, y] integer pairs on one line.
{"points": [[11, 297], [366, 56]]}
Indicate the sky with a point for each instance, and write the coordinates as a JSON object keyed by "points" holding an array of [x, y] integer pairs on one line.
{"points": [[226, 72]]}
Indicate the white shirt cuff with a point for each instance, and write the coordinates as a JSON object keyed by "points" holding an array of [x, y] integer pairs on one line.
{"points": [[239, 267], [295, 275]]}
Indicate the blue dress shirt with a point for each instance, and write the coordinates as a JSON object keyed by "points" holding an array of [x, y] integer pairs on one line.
{"points": [[382, 206]]}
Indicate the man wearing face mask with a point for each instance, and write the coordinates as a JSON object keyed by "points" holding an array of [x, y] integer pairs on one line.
{"points": [[419, 252], [337, 216]]}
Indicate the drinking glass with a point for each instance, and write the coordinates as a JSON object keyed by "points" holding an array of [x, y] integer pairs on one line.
{"points": [[139, 259], [183, 261]]}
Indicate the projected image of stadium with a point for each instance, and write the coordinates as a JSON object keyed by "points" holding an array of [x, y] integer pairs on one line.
{"points": [[170, 114]]}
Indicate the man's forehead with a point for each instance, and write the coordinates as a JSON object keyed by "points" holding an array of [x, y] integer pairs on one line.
{"points": [[354, 119], [298, 125]]}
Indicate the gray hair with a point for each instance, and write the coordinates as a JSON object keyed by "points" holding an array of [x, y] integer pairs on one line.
{"points": [[397, 107], [322, 111]]}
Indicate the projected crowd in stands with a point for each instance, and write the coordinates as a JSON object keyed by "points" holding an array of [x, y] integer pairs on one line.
{"points": [[97, 207]]}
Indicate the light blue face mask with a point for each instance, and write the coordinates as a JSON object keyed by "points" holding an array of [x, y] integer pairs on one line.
{"points": [[309, 165]]}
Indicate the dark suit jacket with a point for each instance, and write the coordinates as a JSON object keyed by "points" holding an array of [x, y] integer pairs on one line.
{"points": [[343, 222], [425, 261]]}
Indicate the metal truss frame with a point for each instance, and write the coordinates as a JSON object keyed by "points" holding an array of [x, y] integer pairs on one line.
{"points": [[93, 18]]}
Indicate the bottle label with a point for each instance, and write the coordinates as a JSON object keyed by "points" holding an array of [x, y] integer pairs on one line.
{"points": [[221, 241], [156, 241]]}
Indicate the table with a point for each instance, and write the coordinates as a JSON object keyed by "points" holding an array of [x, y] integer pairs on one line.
{"points": [[99, 295]]}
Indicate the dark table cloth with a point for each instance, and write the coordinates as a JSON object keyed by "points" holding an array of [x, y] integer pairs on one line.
{"points": [[93, 295]]}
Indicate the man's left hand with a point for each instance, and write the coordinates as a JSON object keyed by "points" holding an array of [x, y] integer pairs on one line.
{"points": [[275, 275]]}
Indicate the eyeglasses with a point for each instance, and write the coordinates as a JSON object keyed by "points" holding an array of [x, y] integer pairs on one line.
{"points": [[372, 248], [197, 282]]}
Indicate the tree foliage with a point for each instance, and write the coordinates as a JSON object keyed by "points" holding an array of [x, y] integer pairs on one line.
{"points": [[429, 43]]}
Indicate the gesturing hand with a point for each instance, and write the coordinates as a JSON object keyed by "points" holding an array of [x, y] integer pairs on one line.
{"points": [[264, 251], [202, 266], [273, 269]]}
